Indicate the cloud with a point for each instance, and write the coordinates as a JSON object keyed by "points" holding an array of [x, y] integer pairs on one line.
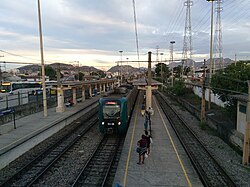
{"points": [[95, 30]]}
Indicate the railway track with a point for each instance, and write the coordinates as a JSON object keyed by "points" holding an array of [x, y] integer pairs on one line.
{"points": [[100, 168], [209, 170], [35, 169]]}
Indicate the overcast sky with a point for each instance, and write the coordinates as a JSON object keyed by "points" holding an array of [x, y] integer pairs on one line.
{"points": [[94, 31]]}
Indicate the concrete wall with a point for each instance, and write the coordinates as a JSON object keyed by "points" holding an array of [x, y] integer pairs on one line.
{"points": [[241, 117], [226, 132]]}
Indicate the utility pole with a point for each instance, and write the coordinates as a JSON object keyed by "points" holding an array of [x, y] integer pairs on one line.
{"points": [[121, 67], [45, 113], [187, 42], [78, 70], [127, 67], [161, 71], [235, 57], [148, 88], [245, 158], [203, 99], [211, 55], [172, 61], [157, 54]]}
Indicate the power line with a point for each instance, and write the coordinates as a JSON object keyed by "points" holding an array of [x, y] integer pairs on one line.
{"points": [[18, 55], [136, 35]]}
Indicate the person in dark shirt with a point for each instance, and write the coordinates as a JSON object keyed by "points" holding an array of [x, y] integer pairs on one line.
{"points": [[142, 149], [148, 139]]}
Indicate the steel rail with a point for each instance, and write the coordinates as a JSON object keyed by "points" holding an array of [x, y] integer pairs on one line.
{"points": [[40, 156], [218, 176], [110, 158]]}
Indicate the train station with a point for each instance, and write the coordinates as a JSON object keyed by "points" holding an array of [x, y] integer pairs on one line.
{"points": [[176, 158], [125, 93]]}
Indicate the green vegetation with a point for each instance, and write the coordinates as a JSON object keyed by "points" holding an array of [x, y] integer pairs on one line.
{"points": [[232, 80], [203, 125], [180, 89], [165, 72], [49, 71]]}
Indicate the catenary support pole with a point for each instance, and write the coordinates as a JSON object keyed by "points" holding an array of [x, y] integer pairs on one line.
{"points": [[45, 113], [245, 159], [203, 100]]}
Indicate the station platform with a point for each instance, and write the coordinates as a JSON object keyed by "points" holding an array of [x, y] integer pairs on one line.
{"points": [[167, 164], [30, 130]]}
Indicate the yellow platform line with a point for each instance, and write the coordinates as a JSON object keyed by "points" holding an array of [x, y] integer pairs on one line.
{"points": [[172, 142], [130, 149]]}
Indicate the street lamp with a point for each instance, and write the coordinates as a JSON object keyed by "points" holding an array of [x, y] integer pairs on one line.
{"points": [[172, 61], [127, 66], [211, 54], [78, 69], [45, 113], [161, 69], [121, 66]]}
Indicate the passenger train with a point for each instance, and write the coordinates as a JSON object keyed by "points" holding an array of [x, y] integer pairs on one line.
{"points": [[115, 109]]}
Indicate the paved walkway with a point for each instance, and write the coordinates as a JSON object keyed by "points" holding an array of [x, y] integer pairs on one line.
{"points": [[167, 165], [27, 128]]}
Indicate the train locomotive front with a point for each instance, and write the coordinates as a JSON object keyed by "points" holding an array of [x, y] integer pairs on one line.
{"points": [[115, 110]]}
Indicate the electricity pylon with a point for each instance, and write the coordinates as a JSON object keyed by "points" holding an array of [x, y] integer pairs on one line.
{"points": [[218, 48], [187, 42]]}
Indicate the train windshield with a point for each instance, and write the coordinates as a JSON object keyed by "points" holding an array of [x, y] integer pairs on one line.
{"points": [[111, 109]]}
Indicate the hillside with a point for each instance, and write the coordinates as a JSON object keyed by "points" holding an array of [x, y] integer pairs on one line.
{"points": [[35, 68]]}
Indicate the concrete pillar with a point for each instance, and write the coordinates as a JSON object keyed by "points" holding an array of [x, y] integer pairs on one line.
{"points": [[104, 87], [149, 88], [100, 88], [148, 97], [83, 94], [74, 95], [96, 88], [90, 91], [60, 100]]}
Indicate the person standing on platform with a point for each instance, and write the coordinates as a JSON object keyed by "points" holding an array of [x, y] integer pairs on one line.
{"points": [[141, 149], [149, 141], [147, 117], [143, 109]]}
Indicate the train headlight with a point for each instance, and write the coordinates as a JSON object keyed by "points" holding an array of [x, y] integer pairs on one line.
{"points": [[119, 123], [103, 123]]}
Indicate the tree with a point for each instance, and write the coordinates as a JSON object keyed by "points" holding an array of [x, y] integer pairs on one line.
{"points": [[49, 71], [231, 80], [81, 76], [165, 71], [177, 71]]}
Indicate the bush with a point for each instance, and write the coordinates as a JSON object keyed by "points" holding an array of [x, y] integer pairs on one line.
{"points": [[179, 88]]}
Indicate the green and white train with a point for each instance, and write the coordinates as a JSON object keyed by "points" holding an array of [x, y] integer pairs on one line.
{"points": [[115, 110]]}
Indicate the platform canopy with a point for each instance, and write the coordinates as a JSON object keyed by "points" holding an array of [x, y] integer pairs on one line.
{"points": [[143, 83]]}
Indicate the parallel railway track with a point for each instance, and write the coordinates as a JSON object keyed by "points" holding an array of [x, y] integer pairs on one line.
{"points": [[34, 170], [209, 170], [100, 168]]}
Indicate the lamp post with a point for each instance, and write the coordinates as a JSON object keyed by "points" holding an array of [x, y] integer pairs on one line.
{"points": [[121, 66], [211, 54], [172, 60], [78, 71], [45, 113], [161, 69], [127, 66]]}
